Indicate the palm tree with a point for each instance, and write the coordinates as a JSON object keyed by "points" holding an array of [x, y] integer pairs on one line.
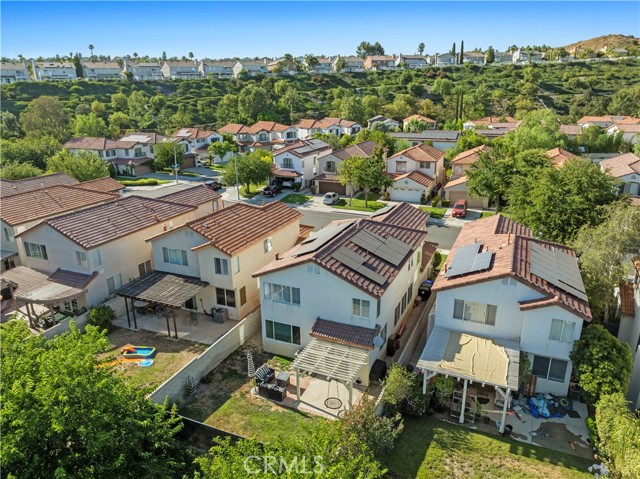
{"points": [[421, 49], [91, 47], [191, 55], [135, 55]]}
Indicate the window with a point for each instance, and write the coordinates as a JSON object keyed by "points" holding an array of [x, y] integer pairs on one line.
{"points": [[243, 295], [137, 152], [549, 368], [509, 281], [475, 312], [425, 165], [267, 244], [409, 293], [562, 330], [396, 315], [262, 137], [401, 166], [113, 283], [81, 258], [226, 297], [96, 258], [313, 269], [291, 135], [144, 268], [287, 163], [404, 304], [282, 294], [236, 264], [221, 266], [378, 305], [175, 256], [383, 335], [282, 332], [8, 233], [71, 306], [34, 250], [361, 307]]}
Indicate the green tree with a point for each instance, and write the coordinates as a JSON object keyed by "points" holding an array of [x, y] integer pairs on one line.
{"points": [[224, 147], [416, 126], [252, 168], [351, 108], [120, 120], [626, 101], [167, 155], [468, 139], [603, 253], [401, 107], [341, 64], [595, 139], [252, 101], [137, 104], [601, 363], [372, 175], [119, 102], [28, 150], [9, 126], [227, 109], [89, 125], [98, 108], [490, 55], [366, 49], [461, 54], [62, 416], [45, 116], [539, 129], [442, 86], [490, 176], [83, 166], [348, 173], [420, 48], [18, 171], [377, 136], [415, 89], [453, 50]]}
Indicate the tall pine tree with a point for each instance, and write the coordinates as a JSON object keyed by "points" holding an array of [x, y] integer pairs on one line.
{"points": [[461, 52], [453, 50]]}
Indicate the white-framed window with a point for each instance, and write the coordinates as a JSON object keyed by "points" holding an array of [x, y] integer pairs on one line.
{"points": [[383, 335], [34, 250], [236, 264], [562, 330], [226, 297], [221, 266], [313, 269], [8, 233], [96, 258], [175, 256], [361, 307], [549, 368], [509, 281], [81, 258], [425, 165], [287, 163], [71, 305], [396, 315], [268, 244], [262, 137], [401, 166], [475, 312], [282, 294], [114, 283], [282, 332]]}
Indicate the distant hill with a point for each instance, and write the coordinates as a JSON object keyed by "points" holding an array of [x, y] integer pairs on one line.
{"points": [[611, 41]]}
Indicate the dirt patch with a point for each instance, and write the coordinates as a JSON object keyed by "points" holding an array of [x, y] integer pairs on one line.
{"points": [[556, 436]]}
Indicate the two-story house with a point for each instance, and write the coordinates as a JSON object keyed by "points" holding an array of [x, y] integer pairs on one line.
{"points": [[506, 123], [380, 62], [327, 180], [457, 188], [100, 70], [252, 68], [353, 64], [503, 57], [141, 70], [522, 56], [441, 139], [324, 65], [502, 293], [630, 133], [626, 168], [224, 248], [216, 69], [350, 285], [11, 72], [445, 59], [386, 123], [53, 71], [415, 171], [180, 70], [475, 58], [198, 141], [411, 62], [431, 123], [266, 135], [299, 161], [328, 125]]}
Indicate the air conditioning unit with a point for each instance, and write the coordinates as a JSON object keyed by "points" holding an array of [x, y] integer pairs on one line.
{"points": [[220, 315]]}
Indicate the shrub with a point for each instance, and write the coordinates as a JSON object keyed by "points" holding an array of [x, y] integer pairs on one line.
{"points": [[446, 203], [297, 187], [403, 393], [386, 196], [140, 182], [435, 201], [101, 317], [312, 189]]}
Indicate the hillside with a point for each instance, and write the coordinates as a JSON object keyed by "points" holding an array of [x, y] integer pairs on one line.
{"points": [[611, 41]]}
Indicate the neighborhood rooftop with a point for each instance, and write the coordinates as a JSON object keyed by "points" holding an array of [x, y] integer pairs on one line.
{"points": [[194, 196], [16, 187]]}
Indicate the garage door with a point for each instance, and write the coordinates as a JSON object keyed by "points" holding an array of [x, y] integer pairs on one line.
{"points": [[331, 187], [409, 195], [462, 195]]}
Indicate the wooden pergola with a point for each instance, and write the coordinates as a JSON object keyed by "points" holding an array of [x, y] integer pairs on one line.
{"points": [[170, 291]]}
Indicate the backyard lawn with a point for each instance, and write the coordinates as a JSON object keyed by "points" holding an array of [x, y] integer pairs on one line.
{"points": [[171, 357], [358, 203], [296, 198], [430, 448], [434, 211], [255, 190]]}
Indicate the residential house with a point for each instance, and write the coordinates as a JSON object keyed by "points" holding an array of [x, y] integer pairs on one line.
{"points": [[353, 64], [524, 56], [328, 125], [129, 156], [180, 70], [348, 288], [53, 71], [416, 172], [253, 68], [411, 62], [216, 69], [16, 187], [203, 199], [380, 62], [198, 141], [559, 156], [282, 66], [503, 57], [431, 124], [102, 185], [102, 247], [441, 139], [502, 293], [324, 65], [299, 161], [11, 72], [266, 135], [224, 248], [141, 70], [606, 121], [629, 331], [626, 168], [629, 132], [327, 180], [387, 123], [445, 59], [457, 188], [100, 70], [572, 131], [475, 58], [492, 123]]}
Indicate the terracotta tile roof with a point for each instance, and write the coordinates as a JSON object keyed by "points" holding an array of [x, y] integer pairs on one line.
{"points": [[364, 149], [267, 126], [236, 227], [324, 123], [613, 119], [16, 187], [302, 148], [635, 128], [177, 64], [192, 133], [424, 119], [343, 239], [421, 152], [35, 205], [404, 214], [233, 128], [456, 182], [101, 224], [418, 177], [571, 129], [490, 120], [331, 177], [341, 333], [305, 231], [91, 143], [510, 244], [280, 173], [470, 156], [627, 302], [559, 156], [71, 278], [380, 58], [622, 165], [104, 185], [195, 196]]}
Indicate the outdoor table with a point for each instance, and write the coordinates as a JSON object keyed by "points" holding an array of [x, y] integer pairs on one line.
{"points": [[282, 379]]}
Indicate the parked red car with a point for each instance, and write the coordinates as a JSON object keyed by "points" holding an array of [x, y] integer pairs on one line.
{"points": [[460, 209], [271, 190]]}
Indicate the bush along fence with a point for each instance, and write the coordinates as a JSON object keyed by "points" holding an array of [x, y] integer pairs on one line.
{"points": [[186, 380]]}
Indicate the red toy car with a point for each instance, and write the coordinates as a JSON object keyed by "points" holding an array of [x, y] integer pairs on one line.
{"points": [[460, 209]]}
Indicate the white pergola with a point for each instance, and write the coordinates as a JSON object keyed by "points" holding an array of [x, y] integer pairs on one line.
{"points": [[335, 361], [472, 359]]}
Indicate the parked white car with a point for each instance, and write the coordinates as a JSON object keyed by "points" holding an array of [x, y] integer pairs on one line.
{"points": [[331, 198]]}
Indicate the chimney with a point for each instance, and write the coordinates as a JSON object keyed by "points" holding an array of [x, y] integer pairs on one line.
{"points": [[277, 256]]}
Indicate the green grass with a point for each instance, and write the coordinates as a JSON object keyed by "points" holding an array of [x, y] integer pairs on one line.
{"points": [[189, 174], [429, 448], [486, 214], [218, 166], [358, 203], [254, 190], [141, 181], [296, 198], [441, 259], [434, 211]]}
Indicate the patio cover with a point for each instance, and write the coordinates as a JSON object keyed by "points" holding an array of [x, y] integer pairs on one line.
{"points": [[35, 287], [163, 288]]}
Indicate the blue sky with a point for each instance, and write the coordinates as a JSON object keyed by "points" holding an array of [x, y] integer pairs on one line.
{"points": [[228, 29]]}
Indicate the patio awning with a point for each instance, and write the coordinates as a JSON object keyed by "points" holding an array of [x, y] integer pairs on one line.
{"points": [[465, 356], [5, 253], [335, 361], [163, 288], [35, 287]]}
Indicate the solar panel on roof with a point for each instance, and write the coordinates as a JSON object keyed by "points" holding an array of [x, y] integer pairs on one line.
{"points": [[389, 249], [557, 268], [353, 260], [322, 237], [468, 259]]}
